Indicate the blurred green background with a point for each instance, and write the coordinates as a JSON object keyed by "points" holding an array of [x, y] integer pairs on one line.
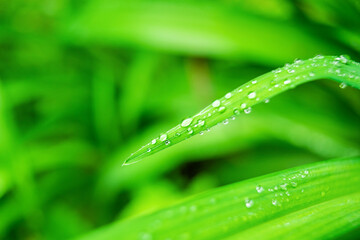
{"points": [[83, 84]]}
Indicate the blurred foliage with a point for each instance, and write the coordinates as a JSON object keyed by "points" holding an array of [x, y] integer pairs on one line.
{"points": [[85, 83]]}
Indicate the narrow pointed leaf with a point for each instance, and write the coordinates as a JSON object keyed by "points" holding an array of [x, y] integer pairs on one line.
{"points": [[242, 99], [322, 197]]}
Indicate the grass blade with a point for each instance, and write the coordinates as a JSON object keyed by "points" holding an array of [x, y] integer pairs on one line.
{"points": [[260, 89], [306, 197]]}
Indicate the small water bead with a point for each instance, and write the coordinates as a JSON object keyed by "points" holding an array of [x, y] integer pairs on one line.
{"points": [[291, 70], [247, 110], [153, 141], [228, 95], [275, 202], [216, 103], [254, 82], [163, 137], [318, 57], [259, 189], [236, 111], [167, 142], [249, 203], [186, 122], [226, 121], [287, 81], [267, 100], [243, 105], [311, 74], [178, 134], [221, 109], [201, 133], [190, 131], [201, 123], [240, 90], [252, 95], [306, 171], [342, 85], [232, 118], [148, 150]]}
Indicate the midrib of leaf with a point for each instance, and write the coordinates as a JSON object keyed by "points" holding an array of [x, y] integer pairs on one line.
{"points": [[223, 212], [240, 100]]}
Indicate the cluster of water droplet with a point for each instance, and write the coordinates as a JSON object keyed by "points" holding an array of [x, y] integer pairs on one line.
{"points": [[243, 98]]}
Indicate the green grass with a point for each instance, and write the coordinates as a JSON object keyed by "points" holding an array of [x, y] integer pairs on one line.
{"points": [[314, 201], [260, 89]]}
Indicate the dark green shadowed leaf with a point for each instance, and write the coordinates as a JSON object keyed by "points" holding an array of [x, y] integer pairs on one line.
{"points": [[323, 197], [260, 89]]}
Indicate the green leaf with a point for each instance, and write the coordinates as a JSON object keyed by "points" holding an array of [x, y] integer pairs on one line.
{"points": [[258, 90], [313, 201]]}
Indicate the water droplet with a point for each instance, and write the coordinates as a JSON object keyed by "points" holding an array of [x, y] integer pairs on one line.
{"points": [[287, 81], [311, 74], [201, 133], [186, 122], [240, 90], [284, 186], [201, 123], [342, 85], [222, 109], [167, 142], [232, 118], [247, 110], [267, 100], [291, 70], [153, 141], [163, 137], [226, 121], [228, 95], [148, 150], [275, 202], [190, 131], [306, 171], [178, 134], [293, 184], [236, 111], [259, 189], [243, 105], [254, 82], [216, 103], [249, 203], [252, 95]]}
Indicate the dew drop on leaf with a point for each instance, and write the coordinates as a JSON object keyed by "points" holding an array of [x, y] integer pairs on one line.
{"points": [[252, 95], [259, 189], [342, 85], [216, 103], [186, 122], [247, 110], [163, 137], [228, 95]]}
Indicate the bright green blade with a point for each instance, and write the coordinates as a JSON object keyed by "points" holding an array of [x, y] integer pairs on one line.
{"points": [[255, 204], [253, 92]]}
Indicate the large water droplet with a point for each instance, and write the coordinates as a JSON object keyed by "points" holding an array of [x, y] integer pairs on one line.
{"points": [[163, 137], [216, 103], [221, 109], [287, 81], [186, 122], [252, 95], [228, 95]]}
